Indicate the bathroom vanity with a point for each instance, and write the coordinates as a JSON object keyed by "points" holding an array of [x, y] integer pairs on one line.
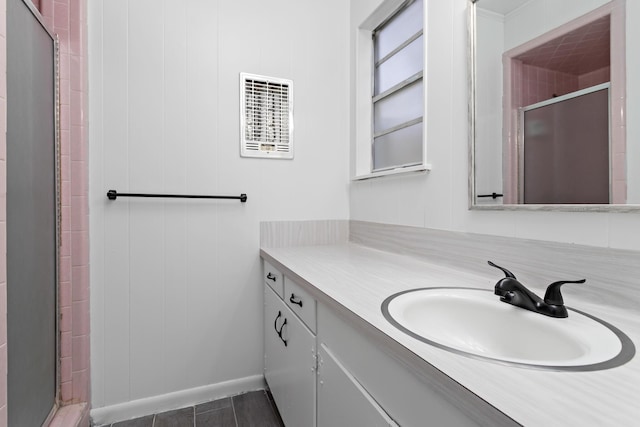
{"points": [[345, 364], [324, 364]]}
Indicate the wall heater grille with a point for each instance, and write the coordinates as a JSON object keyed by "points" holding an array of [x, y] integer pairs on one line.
{"points": [[266, 117]]}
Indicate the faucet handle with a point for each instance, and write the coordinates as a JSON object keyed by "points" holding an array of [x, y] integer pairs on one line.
{"points": [[506, 272], [553, 295]]}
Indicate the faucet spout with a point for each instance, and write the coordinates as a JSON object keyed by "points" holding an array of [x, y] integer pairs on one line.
{"points": [[515, 293]]}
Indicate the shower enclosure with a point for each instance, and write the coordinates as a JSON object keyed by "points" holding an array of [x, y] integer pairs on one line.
{"points": [[32, 214], [565, 149]]}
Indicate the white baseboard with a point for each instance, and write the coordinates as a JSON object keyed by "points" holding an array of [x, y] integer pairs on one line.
{"points": [[175, 400]]}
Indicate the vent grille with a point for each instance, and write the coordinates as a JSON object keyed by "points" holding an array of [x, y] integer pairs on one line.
{"points": [[266, 125]]}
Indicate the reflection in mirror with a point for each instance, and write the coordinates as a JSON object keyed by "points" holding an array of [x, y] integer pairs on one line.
{"points": [[549, 102]]}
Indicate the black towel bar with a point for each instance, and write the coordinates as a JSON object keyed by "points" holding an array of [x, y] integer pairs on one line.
{"points": [[113, 195], [492, 195]]}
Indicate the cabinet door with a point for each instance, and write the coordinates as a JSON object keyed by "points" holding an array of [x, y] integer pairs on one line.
{"points": [[342, 401], [289, 360]]}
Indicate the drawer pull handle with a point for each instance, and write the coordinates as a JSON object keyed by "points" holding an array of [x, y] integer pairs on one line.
{"points": [[292, 300], [271, 277], [275, 326]]}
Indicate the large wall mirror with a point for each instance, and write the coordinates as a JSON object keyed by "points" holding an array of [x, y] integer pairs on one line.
{"points": [[550, 105]]}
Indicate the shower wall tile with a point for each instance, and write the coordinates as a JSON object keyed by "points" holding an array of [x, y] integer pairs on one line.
{"points": [[3, 313], [66, 390], [77, 144], [3, 66], [3, 22], [79, 175], [63, 36], [64, 148], [619, 190], [3, 125], [66, 17], [64, 269], [80, 383], [593, 78], [65, 170], [65, 319], [64, 294], [80, 357], [60, 15], [77, 108], [3, 247], [46, 8], [3, 369], [79, 214], [79, 248], [65, 190], [65, 344], [64, 67], [75, 70], [65, 369], [540, 84], [80, 289], [65, 121]]}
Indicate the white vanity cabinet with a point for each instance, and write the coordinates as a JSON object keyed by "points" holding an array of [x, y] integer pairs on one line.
{"points": [[289, 362], [409, 391], [342, 401], [326, 366]]}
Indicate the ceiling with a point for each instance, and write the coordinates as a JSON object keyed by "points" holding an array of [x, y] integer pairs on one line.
{"points": [[578, 52], [500, 6]]}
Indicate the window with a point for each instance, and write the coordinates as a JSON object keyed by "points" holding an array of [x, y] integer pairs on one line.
{"points": [[398, 90]]}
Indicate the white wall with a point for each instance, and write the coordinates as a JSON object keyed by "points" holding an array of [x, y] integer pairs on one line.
{"points": [[537, 17], [176, 292], [488, 153], [438, 199]]}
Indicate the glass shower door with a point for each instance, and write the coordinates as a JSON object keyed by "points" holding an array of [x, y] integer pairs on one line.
{"points": [[31, 218], [566, 150]]}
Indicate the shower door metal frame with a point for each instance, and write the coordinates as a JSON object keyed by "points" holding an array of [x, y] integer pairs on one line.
{"points": [[57, 198]]}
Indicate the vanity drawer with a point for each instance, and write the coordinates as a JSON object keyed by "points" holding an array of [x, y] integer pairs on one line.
{"points": [[300, 302], [273, 277]]}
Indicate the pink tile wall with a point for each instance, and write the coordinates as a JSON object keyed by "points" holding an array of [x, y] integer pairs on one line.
{"points": [[3, 215], [593, 78], [67, 19], [539, 84]]}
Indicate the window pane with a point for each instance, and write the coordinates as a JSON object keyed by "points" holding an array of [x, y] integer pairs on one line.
{"points": [[400, 66], [402, 106], [399, 29], [400, 148]]}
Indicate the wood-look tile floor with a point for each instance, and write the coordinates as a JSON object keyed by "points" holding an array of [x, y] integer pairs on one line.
{"points": [[253, 409]]}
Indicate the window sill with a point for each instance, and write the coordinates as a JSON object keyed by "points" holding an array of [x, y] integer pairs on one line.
{"points": [[396, 171]]}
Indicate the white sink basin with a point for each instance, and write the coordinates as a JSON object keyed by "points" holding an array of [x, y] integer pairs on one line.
{"points": [[475, 323]]}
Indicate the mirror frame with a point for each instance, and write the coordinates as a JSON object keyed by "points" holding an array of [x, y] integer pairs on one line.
{"points": [[471, 77]]}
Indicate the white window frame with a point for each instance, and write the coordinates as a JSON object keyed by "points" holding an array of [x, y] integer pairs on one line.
{"points": [[362, 165]]}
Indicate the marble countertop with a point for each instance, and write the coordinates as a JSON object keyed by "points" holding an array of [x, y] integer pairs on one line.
{"points": [[359, 279]]}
